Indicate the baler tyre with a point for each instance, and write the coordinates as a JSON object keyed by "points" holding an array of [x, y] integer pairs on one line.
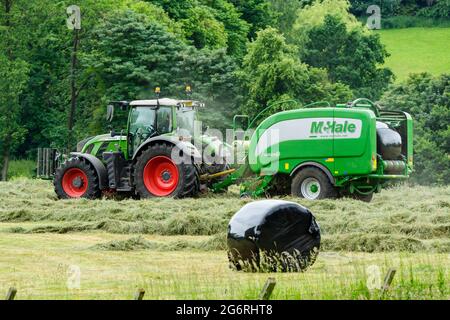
{"points": [[157, 175], [312, 184], [76, 178]]}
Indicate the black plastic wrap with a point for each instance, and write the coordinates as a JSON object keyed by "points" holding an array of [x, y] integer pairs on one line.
{"points": [[273, 235], [389, 142]]}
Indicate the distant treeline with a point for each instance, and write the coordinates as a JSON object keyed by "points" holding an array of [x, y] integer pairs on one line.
{"points": [[389, 8], [238, 56]]}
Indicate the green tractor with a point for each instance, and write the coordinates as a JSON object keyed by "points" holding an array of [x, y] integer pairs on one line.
{"points": [[156, 157], [315, 151]]}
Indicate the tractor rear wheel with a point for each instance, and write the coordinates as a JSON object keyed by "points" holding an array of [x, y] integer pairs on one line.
{"points": [[312, 184], [76, 178], [157, 175]]}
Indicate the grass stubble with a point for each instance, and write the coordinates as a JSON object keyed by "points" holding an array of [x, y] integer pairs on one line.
{"points": [[175, 249]]}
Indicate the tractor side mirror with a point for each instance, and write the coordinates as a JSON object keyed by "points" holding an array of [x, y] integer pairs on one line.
{"points": [[114, 133], [110, 112]]}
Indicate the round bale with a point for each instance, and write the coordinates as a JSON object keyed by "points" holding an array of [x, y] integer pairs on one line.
{"points": [[273, 235]]}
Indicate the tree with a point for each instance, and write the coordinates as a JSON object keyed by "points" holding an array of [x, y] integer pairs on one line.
{"points": [[427, 99], [351, 57], [237, 29], [133, 55], [210, 23], [258, 13], [176, 9], [314, 15], [286, 15], [212, 74], [202, 28], [13, 77], [272, 71]]}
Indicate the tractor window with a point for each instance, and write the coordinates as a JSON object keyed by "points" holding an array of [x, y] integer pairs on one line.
{"points": [[141, 127], [142, 120], [185, 121], [164, 120]]}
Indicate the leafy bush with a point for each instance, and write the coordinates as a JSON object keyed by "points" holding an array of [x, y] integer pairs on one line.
{"points": [[390, 8], [440, 10], [399, 22], [427, 99], [21, 168]]}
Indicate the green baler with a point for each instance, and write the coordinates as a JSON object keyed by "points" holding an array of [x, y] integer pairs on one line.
{"points": [[320, 151]]}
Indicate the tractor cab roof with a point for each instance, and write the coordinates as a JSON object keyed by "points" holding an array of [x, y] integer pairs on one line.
{"points": [[154, 102], [168, 102]]}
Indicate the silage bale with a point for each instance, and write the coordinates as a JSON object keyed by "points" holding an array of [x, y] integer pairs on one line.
{"points": [[273, 235]]}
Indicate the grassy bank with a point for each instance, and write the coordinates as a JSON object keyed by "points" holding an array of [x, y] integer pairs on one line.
{"points": [[416, 50]]}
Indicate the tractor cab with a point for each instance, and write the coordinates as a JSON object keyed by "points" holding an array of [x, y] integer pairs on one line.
{"points": [[149, 118], [156, 117]]}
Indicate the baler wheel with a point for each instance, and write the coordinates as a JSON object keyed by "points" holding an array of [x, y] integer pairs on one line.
{"points": [[76, 178], [313, 184], [157, 175]]}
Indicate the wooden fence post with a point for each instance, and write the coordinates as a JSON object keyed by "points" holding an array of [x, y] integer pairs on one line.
{"points": [[268, 289], [388, 280], [139, 295], [11, 293]]}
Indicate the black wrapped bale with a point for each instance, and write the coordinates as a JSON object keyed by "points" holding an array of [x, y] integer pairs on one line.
{"points": [[273, 235], [389, 142]]}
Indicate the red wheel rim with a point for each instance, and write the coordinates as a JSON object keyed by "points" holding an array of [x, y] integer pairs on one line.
{"points": [[161, 176], [75, 183]]}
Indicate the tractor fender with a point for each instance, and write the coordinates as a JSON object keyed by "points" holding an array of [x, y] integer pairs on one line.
{"points": [[187, 147], [99, 167], [317, 165]]}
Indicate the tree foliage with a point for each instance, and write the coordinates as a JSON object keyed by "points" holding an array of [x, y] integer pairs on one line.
{"points": [[351, 57], [313, 15], [13, 77], [258, 13], [427, 99], [132, 56], [272, 71], [286, 15], [237, 55], [389, 8]]}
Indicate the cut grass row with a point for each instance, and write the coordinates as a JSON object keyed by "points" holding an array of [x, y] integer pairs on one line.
{"points": [[402, 218]]}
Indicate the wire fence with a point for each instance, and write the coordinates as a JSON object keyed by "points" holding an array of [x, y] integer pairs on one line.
{"points": [[163, 289], [264, 294]]}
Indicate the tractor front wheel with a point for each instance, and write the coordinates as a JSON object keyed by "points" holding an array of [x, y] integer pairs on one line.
{"points": [[76, 179], [156, 174], [312, 184]]}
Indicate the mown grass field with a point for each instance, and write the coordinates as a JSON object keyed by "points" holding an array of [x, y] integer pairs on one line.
{"points": [[175, 249], [416, 50]]}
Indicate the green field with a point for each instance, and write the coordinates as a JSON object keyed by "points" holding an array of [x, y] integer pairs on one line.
{"points": [[176, 248], [417, 50]]}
